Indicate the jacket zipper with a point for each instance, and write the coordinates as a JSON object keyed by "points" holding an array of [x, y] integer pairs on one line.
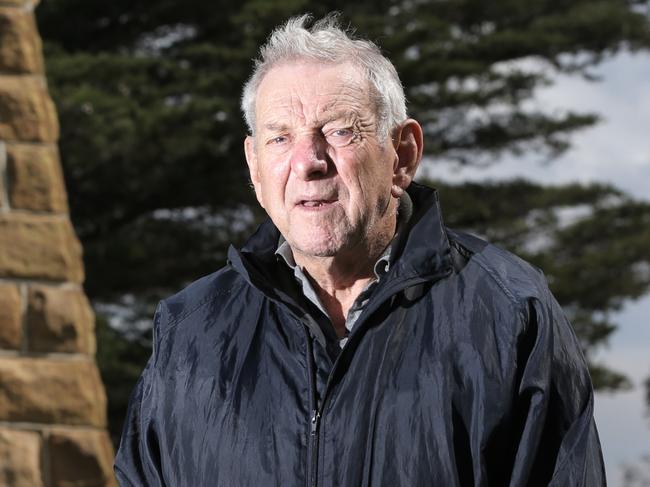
{"points": [[315, 423], [314, 427]]}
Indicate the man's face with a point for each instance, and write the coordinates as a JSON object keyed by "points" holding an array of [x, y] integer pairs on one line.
{"points": [[318, 165]]}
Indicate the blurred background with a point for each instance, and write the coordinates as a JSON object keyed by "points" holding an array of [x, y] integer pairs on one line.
{"points": [[536, 119]]}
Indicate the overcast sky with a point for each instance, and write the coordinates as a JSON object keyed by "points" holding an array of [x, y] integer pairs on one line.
{"points": [[616, 151]]}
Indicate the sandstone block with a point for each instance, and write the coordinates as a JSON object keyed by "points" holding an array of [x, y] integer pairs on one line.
{"points": [[44, 390], [59, 320], [19, 458], [35, 178], [10, 317], [81, 459], [27, 112], [38, 246], [20, 44]]}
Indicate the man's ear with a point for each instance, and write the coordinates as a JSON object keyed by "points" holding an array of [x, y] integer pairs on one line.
{"points": [[251, 160], [408, 143]]}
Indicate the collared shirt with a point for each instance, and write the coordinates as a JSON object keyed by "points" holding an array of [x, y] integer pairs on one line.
{"points": [[380, 269]]}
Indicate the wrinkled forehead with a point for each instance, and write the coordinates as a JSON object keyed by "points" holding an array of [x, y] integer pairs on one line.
{"points": [[305, 91]]}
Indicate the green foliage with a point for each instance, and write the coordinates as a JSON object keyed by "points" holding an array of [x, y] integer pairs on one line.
{"points": [[151, 141]]}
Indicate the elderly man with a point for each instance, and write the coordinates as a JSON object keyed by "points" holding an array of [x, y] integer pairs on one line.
{"points": [[354, 340]]}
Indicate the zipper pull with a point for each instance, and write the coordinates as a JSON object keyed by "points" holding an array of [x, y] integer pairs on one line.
{"points": [[315, 417]]}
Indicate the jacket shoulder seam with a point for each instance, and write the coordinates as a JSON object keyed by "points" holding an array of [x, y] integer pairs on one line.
{"points": [[178, 320], [469, 251], [212, 295], [506, 290]]}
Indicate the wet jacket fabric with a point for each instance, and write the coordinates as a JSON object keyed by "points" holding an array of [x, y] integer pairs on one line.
{"points": [[461, 371]]}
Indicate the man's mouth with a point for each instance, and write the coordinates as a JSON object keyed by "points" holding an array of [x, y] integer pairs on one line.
{"points": [[313, 203], [316, 203]]}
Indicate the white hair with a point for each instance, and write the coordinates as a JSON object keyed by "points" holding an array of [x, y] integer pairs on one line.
{"points": [[327, 42]]}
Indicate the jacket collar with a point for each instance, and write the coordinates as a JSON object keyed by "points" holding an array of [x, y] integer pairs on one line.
{"points": [[424, 249]]}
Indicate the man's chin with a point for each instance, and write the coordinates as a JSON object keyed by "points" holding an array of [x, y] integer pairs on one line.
{"points": [[325, 247], [316, 251]]}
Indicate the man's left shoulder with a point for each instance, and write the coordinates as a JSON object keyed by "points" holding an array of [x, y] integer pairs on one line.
{"points": [[516, 278]]}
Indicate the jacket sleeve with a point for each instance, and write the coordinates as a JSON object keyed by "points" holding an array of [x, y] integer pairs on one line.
{"points": [[559, 444], [138, 461]]}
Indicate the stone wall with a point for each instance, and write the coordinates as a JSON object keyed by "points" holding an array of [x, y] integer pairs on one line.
{"points": [[52, 401]]}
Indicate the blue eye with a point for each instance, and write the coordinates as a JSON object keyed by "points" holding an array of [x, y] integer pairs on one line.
{"points": [[341, 137], [280, 139]]}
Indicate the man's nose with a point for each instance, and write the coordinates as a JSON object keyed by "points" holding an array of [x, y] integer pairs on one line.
{"points": [[309, 157]]}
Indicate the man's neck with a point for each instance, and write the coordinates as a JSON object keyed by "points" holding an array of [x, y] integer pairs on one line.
{"points": [[339, 279]]}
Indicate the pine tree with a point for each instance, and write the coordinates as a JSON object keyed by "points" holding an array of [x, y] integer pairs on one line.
{"points": [[151, 142]]}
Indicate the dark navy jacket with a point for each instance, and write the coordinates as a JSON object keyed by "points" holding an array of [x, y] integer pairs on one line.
{"points": [[461, 371]]}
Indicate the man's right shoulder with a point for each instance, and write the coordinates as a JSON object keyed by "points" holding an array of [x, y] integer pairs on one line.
{"points": [[221, 285]]}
